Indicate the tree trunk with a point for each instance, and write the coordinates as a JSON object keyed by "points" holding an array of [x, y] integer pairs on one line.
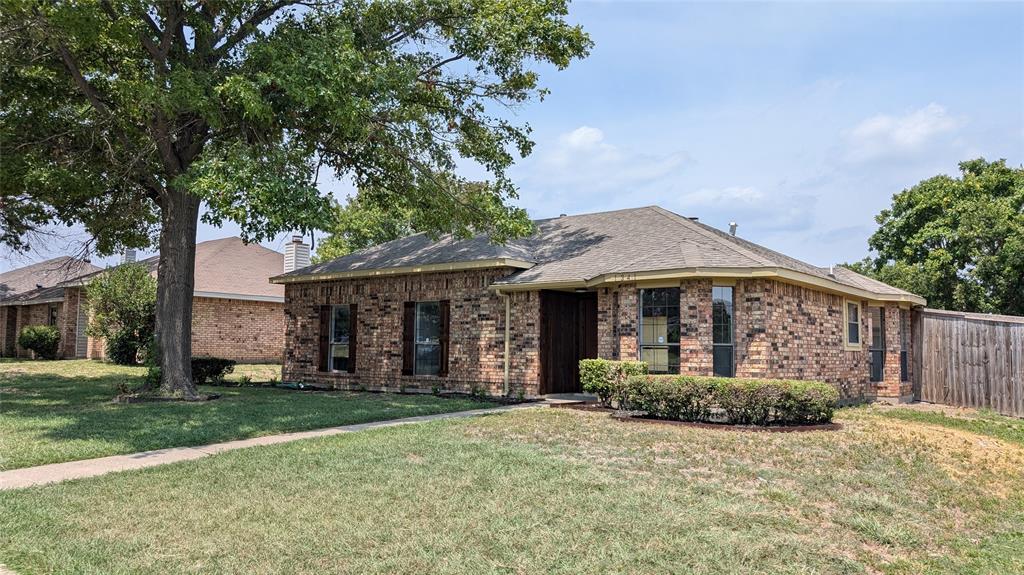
{"points": [[179, 216]]}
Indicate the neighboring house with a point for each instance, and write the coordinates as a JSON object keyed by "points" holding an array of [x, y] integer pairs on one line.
{"points": [[31, 296], [641, 283], [237, 314]]}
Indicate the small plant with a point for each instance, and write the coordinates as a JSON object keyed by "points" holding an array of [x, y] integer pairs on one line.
{"points": [[42, 340], [211, 369], [123, 348], [520, 394], [435, 389], [272, 380], [245, 380]]}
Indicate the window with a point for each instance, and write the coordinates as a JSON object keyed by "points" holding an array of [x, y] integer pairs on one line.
{"points": [[52, 317], [428, 338], [338, 338], [722, 331], [341, 329], [853, 325], [877, 348], [659, 329]]}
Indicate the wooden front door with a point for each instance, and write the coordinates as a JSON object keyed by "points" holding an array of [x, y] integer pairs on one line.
{"points": [[568, 333]]}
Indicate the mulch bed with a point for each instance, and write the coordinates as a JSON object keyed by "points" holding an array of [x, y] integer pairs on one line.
{"points": [[615, 414], [144, 398], [733, 427]]}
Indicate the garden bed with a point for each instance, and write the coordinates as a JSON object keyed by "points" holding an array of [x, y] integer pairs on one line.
{"points": [[728, 426]]}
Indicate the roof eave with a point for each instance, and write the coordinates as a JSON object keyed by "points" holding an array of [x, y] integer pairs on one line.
{"points": [[698, 272], [403, 270]]}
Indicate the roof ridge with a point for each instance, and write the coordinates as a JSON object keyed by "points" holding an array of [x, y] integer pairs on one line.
{"points": [[700, 228]]}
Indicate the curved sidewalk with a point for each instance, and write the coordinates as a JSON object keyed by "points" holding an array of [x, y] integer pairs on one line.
{"points": [[56, 472]]}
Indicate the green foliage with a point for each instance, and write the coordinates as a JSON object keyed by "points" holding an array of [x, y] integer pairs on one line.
{"points": [[211, 369], [604, 377], [959, 242], [43, 340], [737, 401], [358, 225], [122, 303], [123, 348], [110, 108]]}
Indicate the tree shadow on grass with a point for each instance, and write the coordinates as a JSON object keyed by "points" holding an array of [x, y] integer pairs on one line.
{"points": [[72, 418]]}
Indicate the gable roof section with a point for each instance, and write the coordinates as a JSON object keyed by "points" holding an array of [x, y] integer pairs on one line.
{"points": [[40, 282], [607, 247], [227, 268]]}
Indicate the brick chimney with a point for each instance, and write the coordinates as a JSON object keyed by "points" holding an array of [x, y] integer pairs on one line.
{"points": [[128, 257], [296, 254]]}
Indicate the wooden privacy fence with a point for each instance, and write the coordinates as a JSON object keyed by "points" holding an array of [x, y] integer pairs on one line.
{"points": [[970, 360]]}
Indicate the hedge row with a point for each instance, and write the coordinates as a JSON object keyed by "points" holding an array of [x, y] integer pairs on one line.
{"points": [[604, 377], [690, 398]]}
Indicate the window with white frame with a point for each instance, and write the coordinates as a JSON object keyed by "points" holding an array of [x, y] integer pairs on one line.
{"points": [[428, 338], [852, 324]]}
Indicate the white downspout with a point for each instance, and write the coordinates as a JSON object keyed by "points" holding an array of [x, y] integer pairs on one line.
{"points": [[508, 327]]}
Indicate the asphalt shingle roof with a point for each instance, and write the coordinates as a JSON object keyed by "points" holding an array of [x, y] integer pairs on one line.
{"points": [[229, 266], [580, 248], [38, 281]]}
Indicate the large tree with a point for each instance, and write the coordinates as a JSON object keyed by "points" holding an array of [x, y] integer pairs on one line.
{"points": [[959, 242], [127, 117]]}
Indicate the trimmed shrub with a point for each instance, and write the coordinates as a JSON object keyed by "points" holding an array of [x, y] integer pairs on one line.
{"points": [[604, 377], [211, 369], [43, 340], [680, 398], [738, 401]]}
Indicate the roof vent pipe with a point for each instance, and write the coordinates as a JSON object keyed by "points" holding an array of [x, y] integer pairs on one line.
{"points": [[831, 271], [732, 229], [693, 218], [296, 254]]}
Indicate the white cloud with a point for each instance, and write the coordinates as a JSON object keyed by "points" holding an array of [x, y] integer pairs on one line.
{"points": [[884, 136], [583, 157], [751, 207]]}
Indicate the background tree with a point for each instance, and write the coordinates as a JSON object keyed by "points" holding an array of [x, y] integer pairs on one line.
{"points": [[959, 242], [362, 222], [122, 306], [126, 116]]}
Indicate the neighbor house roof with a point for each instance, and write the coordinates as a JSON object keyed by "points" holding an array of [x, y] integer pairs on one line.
{"points": [[648, 243], [39, 282], [228, 268]]}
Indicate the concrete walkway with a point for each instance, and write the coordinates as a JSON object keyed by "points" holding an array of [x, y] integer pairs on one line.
{"points": [[55, 472]]}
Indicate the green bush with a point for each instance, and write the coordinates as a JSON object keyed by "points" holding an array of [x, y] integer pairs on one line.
{"points": [[123, 348], [43, 340], [738, 401], [605, 378], [211, 369]]}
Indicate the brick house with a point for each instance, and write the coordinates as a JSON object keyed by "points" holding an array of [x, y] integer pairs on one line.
{"points": [[237, 314], [641, 283]]}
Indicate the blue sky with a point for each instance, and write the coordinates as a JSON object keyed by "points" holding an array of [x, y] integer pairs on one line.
{"points": [[799, 121]]}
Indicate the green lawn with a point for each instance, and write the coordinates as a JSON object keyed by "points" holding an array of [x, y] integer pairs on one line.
{"points": [[548, 491], [61, 411]]}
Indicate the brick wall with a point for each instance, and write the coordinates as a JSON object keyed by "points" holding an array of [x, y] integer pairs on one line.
{"points": [[243, 330], [477, 332], [781, 331], [37, 314]]}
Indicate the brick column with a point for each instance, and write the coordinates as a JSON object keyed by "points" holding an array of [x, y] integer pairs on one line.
{"points": [[750, 317], [695, 348], [607, 347], [627, 324]]}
